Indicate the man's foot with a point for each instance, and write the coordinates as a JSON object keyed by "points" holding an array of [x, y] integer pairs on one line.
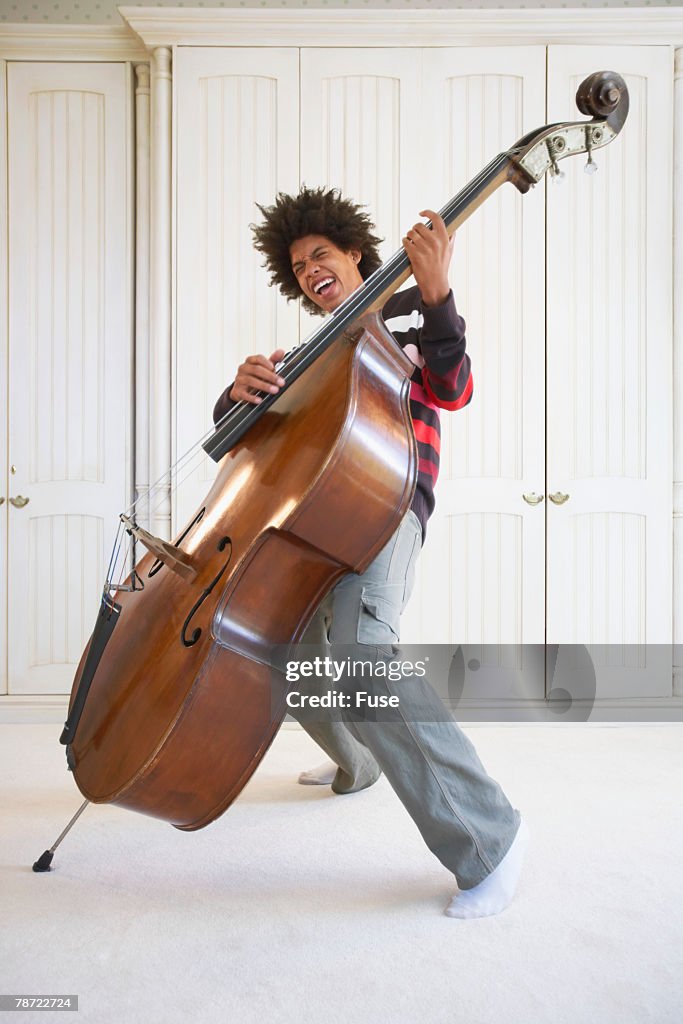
{"points": [[342, 783], [497, 889], [323, 775]]}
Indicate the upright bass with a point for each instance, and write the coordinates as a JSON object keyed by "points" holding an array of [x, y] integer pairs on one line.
{"points": [[178, 694]]}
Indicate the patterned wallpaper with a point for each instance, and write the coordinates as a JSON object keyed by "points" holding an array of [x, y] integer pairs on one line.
{"points": [[104, 12]]}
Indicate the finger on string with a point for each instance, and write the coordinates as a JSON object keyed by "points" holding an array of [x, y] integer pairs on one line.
{"points": [[257, 380], [422, 231], [438, 225], [251, 398]]}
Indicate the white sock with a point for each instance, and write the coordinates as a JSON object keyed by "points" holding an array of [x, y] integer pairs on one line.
{"points": [[323, 775], [497, 889]]}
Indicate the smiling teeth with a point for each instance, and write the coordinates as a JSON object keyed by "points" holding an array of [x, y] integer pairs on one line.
{"points": [[321, 284]]}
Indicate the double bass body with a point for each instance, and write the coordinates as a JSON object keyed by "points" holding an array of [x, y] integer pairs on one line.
{"points": [[184, 700]]}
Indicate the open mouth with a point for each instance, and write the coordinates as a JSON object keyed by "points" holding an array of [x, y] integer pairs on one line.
{"points": [[324, 286]]}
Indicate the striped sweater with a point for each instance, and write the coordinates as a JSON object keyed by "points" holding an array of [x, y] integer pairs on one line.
{"points": [[434, 339]]}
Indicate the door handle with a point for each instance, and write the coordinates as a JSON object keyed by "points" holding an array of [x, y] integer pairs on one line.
{"points": [[19, 501], [558, 498], [533, 498], [2, 501]]}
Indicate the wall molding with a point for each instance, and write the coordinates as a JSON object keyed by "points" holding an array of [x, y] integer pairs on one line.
{"points": [[70, 42], [149, 27], [166, 26]]}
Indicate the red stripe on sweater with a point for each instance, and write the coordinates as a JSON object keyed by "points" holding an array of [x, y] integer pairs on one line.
{"points": [[459, 402], [418, 394], [425, 466], [427, 434]]}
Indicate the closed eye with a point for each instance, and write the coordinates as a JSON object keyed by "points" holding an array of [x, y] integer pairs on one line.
{"points": [[317, 254]]}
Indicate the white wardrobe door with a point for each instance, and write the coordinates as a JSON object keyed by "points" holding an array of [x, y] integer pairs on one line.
{"points": [[236, 144], [609, 381], [481, 581], [69, 355]]}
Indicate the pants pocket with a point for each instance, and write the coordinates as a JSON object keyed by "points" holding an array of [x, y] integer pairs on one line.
{"points": [[380, 614]]}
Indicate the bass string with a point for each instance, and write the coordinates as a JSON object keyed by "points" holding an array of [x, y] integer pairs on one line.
{"points": [[111, 569], [166, 487], [117, 556], [163, 481], [123, 560], [162, 494]]}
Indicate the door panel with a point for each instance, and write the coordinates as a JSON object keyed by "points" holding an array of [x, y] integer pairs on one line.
{"points": [[4, 467], [237, 145], [481, 581], [609, 382], [69, 355]]}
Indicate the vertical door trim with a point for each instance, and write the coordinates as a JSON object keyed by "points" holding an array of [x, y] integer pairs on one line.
{"points": [[4, 374], [160, 289]]}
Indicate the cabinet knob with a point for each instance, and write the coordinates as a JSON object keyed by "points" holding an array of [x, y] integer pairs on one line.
{"points": [[533, 498], [558, 498], [19, 501]]}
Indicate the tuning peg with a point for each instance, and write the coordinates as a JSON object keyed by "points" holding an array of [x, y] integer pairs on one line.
{"points": [[591, 166], [558, 177]]}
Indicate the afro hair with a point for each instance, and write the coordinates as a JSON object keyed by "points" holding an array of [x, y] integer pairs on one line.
{"points": [[314, 211]]}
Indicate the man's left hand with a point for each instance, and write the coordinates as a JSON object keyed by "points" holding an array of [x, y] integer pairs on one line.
{"points": [[429, 252]]}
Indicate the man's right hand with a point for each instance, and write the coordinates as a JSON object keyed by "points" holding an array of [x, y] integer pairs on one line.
{"points": [[257, 373]]}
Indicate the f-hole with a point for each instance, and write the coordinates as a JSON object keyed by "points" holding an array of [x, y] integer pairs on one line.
{"points": [[224, 543]]}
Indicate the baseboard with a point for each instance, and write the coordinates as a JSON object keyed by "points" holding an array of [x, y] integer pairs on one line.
{"points": [[628, 711], [33, 709]]}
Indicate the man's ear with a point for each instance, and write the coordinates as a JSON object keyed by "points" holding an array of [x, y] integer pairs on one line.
{"points": [[356, 255]]}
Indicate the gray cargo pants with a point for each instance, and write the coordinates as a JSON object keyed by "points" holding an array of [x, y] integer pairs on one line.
{"points": [[462, 814]]}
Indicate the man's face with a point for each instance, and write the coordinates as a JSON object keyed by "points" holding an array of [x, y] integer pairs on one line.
{"points": [[326, 274]]}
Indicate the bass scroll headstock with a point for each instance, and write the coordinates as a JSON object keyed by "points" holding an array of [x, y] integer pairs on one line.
{"points": [[604, 97]]}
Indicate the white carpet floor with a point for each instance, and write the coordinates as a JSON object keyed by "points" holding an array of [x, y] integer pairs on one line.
{"points": [[299, 907]]}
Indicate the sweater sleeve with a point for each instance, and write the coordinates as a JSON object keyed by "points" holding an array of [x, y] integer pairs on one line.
{"points": [[223, 405], [446, 374]]}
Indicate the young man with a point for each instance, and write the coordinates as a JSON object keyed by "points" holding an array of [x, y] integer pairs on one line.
{"points": [[320, 247]]}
